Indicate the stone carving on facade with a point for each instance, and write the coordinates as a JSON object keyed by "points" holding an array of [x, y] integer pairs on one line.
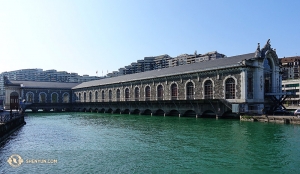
{"points": [[266, 48], [257, 52]]}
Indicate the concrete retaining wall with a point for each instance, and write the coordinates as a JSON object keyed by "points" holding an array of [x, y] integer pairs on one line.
{"points": [[272, 119]]}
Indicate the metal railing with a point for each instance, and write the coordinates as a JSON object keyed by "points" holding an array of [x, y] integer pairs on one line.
{"points": [[6, 117], [154, 98]]}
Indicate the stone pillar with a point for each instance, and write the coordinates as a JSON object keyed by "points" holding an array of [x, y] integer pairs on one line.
{"points": [[258, 83], [244, 84]]}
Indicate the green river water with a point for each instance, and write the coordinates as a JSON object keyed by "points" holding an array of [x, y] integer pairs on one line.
{"points": [[111, 143]]}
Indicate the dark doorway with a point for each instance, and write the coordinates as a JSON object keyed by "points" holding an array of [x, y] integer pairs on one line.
{"points": [[14, 100]]}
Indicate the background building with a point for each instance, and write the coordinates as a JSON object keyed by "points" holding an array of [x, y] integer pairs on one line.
{"points": [[291, 85], [291, 80], [164, 61], [290, 67], [42, 76]]}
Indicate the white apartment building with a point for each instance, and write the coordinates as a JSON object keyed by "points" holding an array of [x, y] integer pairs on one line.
{"points": [[292, 85]]}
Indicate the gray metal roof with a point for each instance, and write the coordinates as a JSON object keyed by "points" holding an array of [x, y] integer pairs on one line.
{"points": [[36, 84], [183, 69]]}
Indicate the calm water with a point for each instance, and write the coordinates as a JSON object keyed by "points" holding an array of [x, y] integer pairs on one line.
{"points": [[101, 143]]}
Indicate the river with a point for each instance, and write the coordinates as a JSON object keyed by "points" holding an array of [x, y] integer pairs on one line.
{"points": [[113, 143]]}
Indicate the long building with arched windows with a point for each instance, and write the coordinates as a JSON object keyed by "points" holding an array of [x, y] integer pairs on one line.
{"points": [[37, 92], [244, 83]]}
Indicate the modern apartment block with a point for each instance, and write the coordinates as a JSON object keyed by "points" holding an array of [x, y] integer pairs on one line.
{"points": [[164, 61], [291, 80], [42, 76], [292, 85], [290, 67]]}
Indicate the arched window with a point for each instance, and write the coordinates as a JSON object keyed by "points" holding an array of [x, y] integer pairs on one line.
{"points": [[84, 97], [147, 93], [208, 90], [103, 97], [110, 95], [29, 97], [190, 91], [96, 96], [90, 97], [136, 93], [230, 89], [54, 98], [268, 76], [126, 94], [118, 95], [174, 92], [66, 98], [159, 92], [79, 96], [42, 97]]}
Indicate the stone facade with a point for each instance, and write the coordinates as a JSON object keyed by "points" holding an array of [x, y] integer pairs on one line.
{"points": [[198, 79], [51, 95], [18, 92]]}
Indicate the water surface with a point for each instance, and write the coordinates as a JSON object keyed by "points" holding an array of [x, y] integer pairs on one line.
{"points": [[108, 143]]}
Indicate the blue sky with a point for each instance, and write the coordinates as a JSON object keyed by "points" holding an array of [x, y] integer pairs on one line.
{"points": [[104, 35]]}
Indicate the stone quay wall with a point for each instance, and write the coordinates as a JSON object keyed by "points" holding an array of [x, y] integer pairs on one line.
{"points": [[9, 123]]}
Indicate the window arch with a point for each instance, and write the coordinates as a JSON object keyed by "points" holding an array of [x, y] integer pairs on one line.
{"points": [[208, 89], [147, 93], [126, 94], [230, 88], [190, 91], [30, 97], [90, 97], [54, 97], [118, 94], [42, 97], [66, 98], [110, 95], [174, 91], [96, 96], [79, 96], [159, 92], [137, 93], [103, 96], [84, 97]]}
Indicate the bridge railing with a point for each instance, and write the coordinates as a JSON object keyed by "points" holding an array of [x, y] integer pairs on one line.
{"points": [[190, 97], [144, 98], [6, 117]]}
